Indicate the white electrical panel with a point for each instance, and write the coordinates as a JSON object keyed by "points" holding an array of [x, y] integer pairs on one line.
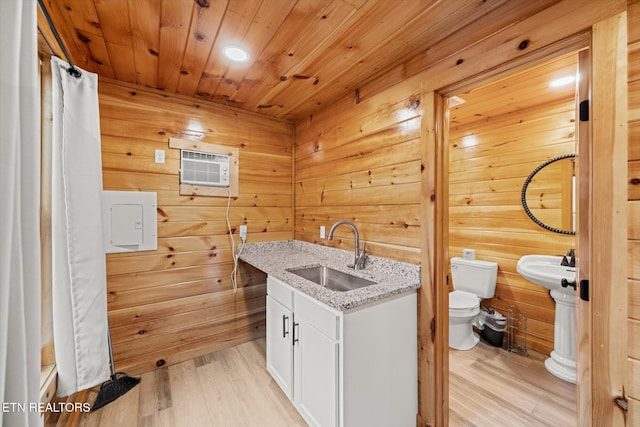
{"points": [[129, 221]]}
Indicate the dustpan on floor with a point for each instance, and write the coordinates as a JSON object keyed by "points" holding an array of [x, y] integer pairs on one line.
{"points": [[114, 387]]}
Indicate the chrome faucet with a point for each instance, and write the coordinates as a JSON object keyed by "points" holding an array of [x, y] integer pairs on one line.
{"points": [[569, 260], [360, 258]]}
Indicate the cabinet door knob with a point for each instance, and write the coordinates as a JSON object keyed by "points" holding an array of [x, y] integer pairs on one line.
{"points": [[285, 330]]}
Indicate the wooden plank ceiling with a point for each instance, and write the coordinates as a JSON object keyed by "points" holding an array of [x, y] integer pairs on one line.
{"points": [[304, 54]]}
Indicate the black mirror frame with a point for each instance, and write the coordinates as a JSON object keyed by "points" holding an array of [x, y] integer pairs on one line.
{"points": [[524, 198]]}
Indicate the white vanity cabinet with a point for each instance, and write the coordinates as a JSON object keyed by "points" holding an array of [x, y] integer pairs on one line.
{"points": [[346, 369], [279, 348]]}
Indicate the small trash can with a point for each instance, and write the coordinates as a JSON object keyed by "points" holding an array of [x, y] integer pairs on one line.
{"points": [[494, 326]]}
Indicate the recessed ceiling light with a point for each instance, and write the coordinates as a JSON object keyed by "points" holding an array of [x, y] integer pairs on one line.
{"points": [[562, 81], [235, 53]]}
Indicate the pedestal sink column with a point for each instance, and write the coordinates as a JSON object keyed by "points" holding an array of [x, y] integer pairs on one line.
{"points": [[562, 362], [548, 271]]}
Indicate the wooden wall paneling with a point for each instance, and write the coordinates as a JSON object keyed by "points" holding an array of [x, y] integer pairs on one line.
{"points": [[633, 19], [634, 299], [177, 302], [191, 118], [396, 122], [375, 174], [364, 152], [163, 328]]}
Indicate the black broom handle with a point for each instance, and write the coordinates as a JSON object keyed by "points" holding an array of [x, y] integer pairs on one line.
{"points": [[113, 366]]}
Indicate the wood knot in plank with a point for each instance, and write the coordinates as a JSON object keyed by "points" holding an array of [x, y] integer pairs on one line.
{"points": [[83, 38]]}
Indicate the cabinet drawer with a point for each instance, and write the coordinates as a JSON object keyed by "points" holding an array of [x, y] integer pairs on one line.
{"points": [[318, 315], [280, 291]]}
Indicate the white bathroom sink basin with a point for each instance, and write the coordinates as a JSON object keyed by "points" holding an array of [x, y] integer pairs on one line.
{"points": [[545, 270]]}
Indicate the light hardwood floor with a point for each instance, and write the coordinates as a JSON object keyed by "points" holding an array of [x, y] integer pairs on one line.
{"points": [[227, 388], [489, 387]]}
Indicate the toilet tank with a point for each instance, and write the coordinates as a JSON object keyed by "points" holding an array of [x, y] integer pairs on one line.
{"points": [[475, 276]]}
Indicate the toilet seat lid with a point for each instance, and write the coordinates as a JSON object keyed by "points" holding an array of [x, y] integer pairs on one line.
{"points": [[461, 300]]}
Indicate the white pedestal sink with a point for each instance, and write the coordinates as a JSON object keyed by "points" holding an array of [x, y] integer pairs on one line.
{"points": [[545, 270]]}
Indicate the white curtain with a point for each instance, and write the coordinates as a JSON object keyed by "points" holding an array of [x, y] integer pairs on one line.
{"points": [[79, 270], [19, 214]]}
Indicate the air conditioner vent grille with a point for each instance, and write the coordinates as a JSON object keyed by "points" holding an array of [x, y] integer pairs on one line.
{"points": [[198, 168]]}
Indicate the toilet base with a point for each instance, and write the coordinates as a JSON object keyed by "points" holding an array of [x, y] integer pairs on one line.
{"points": [[462, 337]]}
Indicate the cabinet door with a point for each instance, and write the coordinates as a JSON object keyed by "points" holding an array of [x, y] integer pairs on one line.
{"points": [[315, 375], [279, 345]]}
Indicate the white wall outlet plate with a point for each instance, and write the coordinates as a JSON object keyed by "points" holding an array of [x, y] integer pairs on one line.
{"points": [[159, 156], [322, 231], [243, 232]]}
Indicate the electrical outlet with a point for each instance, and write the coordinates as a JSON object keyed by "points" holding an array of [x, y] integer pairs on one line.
{"points": [[243, 232], [322, 231], [159, 156]]}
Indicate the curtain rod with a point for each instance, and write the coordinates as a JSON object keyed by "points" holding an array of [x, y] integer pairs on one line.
{"points": [[72, 70]]}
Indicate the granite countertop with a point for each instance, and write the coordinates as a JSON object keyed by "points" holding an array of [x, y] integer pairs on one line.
{"points": [[274, 258]]}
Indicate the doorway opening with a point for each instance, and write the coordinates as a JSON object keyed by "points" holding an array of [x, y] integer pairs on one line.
{"points": [[496, 132]]}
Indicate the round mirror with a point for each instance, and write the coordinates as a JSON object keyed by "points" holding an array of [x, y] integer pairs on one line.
{"points": [[548, 195]]}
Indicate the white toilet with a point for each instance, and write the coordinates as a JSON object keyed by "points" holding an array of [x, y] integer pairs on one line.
{"points": [[473, 280]]}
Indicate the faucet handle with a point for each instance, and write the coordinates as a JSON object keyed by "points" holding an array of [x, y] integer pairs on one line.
{"points": [[569, 260], [362, 257]]}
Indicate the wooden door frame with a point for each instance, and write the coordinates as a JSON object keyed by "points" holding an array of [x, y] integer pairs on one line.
{"points": [[602, 234]]}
